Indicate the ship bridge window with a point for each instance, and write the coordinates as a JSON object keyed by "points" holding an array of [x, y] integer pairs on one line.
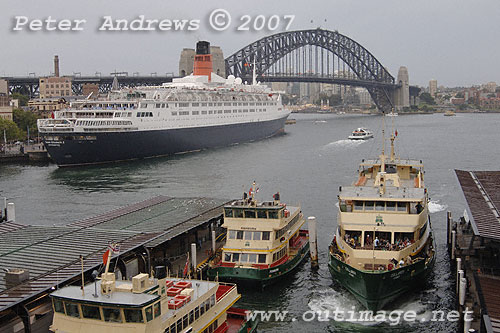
{"points": [[72, 309], [257, 235], [228, 212], [402, 207], [261, 214], [390, 168], [133, 315], [266, 235], [390, 206], [273, 214], [379, 205], [239, 234], [232, 234], [369, 205], [91, 312], [149, 313], [112, 315], [358, 205], [238, 213], [248, 235], [250, 214], [58, 305]]}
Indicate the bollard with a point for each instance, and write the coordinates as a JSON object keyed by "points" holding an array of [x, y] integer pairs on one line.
{"points": [[311, 220], [463, 289], [459, 268], [453, 242], [460, 274], [449, 226], [11, 212], [193, 257], [213, 242]]}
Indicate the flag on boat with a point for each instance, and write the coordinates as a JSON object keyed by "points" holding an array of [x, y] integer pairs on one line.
{"points": [[186, 267], [112, 249]]}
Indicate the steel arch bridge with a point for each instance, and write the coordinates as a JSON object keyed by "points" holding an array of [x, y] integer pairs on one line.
{"points": [[315, 55]]}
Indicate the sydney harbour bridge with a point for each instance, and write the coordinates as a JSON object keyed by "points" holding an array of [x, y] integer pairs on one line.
{"points": [[314, 55]]}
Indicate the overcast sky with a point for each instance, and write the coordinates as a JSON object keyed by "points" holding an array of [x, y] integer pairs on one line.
{"points": [[455, 42]]}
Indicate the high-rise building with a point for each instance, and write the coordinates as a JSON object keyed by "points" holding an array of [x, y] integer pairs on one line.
{"points": [[5, 104], [433, 86]]}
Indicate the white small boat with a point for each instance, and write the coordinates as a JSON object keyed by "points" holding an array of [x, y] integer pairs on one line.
{"points": [[361, 134], [392, 114]]}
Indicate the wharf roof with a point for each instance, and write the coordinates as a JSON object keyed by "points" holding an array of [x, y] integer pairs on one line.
{"points": [[489, 288], [51, 254], [481, 190]]}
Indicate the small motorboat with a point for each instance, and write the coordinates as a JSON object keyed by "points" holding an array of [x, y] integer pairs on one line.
{"points": [[361, 134]]}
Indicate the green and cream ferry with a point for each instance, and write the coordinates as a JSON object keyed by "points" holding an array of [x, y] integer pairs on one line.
{"points": [[383, 246], [264, 241], [149, 304]]}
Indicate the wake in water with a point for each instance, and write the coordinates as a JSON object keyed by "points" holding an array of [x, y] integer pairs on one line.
{"points": [[340, 306], [435, 206], [345, 143]]}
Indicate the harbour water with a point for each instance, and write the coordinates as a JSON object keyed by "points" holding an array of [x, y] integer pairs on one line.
{"points": [[306, 165]]}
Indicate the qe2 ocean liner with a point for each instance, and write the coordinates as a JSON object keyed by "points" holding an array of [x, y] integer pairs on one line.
{"points": [[196, 112]]}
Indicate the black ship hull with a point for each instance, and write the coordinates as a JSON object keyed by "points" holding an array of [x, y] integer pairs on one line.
{"points": [[74, 149]]}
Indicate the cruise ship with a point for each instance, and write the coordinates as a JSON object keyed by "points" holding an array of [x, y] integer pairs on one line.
{"points": [[383, 246], [199, 111]]}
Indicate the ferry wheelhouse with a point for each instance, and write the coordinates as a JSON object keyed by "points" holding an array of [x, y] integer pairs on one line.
{"points": [[264, 241], [149, 304], [383, 245]]}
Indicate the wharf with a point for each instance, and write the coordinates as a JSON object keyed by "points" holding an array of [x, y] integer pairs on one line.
{"points": [[157, 231], [474, 248], [24, 153]]}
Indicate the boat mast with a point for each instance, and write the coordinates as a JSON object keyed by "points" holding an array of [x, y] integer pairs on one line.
{"points": [[254, 74], [392, 138], [382, 156]]}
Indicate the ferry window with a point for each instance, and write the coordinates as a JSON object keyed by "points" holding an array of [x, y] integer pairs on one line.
{"points": [[207, 304], [203, 104], [232, 234], [239, 234], [195, 104], [172, 329], [212, 300], [244, 257], [236, 257], [273, 214], [144, 105], [157, 309], [133, 315], [219, 111], [195, 113], [248, 235], [58, 305], [401, 206], [185, 321], [238, 213], [250, 214], [252, 258], [167, 330], [261, 214], [91, 312], [266, 235], [173, 113], [358, 205], [150, 114], [149, 313], [262, 258], [191, 316], [379, 205], [202, 309], [179, 325], [158, 106], [197, 313], [112, 315], [227, 111], [257, 235], [72, 310], [421, 234], [391, 206], [203, 112], [369, 205], [227, 256], [138, 114]]}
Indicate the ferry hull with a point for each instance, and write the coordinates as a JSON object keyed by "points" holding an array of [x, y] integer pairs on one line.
{"points": [[376, 289], [262, 277], [74, 149]]}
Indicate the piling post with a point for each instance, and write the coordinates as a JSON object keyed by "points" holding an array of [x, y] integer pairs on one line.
{"points": [[453, 243], [313, 243], [462, 290], [193, 257], [467, 324], [459, 268], [11, 212], [448, 227], [213, 242]]}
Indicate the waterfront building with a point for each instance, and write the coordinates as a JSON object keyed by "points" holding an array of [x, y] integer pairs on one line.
{"points": [[5, 103], [433, 87], [55, 86]]}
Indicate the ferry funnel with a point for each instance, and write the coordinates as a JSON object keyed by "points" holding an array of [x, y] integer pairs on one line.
{"points": [[203, 60]]}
